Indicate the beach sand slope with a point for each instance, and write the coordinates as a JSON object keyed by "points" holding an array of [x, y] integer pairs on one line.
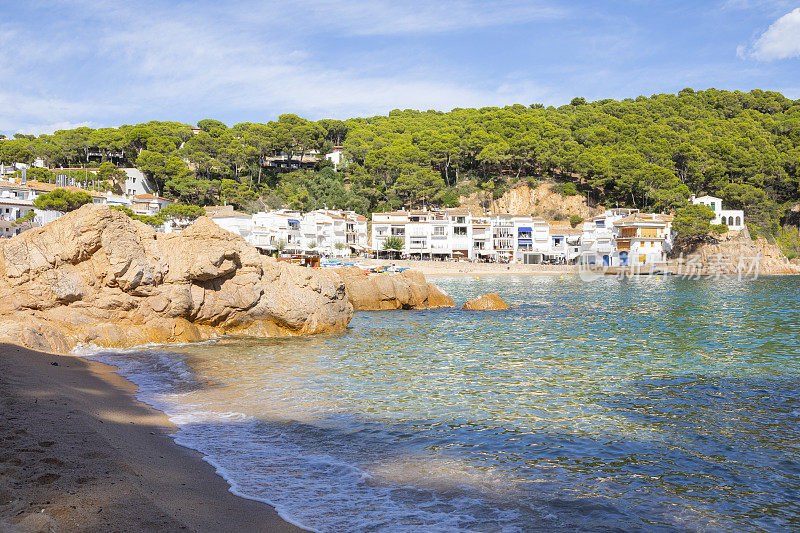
{"points": [[79, 453]]}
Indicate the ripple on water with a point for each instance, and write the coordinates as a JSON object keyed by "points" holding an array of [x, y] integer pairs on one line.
{"points": [[633, 405]]}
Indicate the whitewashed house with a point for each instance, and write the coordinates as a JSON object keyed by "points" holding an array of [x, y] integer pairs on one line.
{"points": [[642, 239], [503, 238], [336, 156], [390, 224], [733, 218], [136, 183], [229, 219], [597, 239], [356, 232], [270, 229]]}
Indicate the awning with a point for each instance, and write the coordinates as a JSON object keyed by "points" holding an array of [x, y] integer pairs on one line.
{"points": [[525, 229], [294, 221], [525, 241]]}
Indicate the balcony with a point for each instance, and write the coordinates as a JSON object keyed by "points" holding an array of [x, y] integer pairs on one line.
{"points": [[604, 248]]}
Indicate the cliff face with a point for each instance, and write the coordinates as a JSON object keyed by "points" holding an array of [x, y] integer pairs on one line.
{"points": [[738, 253], [522, 200], [96, 276], [407, 290]]}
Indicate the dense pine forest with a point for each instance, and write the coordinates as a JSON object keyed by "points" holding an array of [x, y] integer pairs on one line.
{"points": [[648, 153]]}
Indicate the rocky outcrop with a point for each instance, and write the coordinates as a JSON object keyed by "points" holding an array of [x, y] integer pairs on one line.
{"points": [[521, 199], [735, 254], [487, 302], [406, 290], [96, 276]]}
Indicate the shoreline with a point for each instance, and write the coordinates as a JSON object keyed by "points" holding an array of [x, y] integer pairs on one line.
{"points": [[80, 452], [466, 268]]}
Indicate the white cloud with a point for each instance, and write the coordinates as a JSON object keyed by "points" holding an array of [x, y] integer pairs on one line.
{"points": [[780, 41], [32, 114], [173, 63]]}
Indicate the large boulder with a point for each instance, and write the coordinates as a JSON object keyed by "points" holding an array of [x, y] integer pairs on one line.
{"points": [[406, 290], [96, 276], [487, 302]]}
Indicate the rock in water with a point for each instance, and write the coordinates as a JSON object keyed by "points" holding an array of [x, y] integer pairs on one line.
{"points": [[407, 290], [96, 276], [487, 302]]}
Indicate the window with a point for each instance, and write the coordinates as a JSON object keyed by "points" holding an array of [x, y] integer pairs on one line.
{"points": [[439, 230], [461, 220], [460, 230]]}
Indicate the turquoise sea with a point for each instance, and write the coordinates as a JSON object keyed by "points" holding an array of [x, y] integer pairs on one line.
{"points": [[650, 404]]}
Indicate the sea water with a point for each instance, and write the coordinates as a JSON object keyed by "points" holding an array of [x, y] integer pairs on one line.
{"points": [[648, 404]]}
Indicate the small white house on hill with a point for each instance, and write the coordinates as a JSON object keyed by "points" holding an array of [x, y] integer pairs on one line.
{"points": [[733, 218]]}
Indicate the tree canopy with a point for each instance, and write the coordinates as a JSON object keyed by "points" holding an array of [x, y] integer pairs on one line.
{"points": [[693, 223], [62, 200], [649, 153]]}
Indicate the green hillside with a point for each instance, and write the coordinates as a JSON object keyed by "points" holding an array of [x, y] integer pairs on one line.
{"points": [[648, 153]]}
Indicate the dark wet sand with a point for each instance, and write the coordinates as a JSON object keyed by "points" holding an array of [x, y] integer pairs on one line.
{"points": [[79, 453]]}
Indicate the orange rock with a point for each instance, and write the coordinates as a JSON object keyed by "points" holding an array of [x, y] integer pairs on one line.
{"points": [[96, 276], [407, 290], [487, 302]]}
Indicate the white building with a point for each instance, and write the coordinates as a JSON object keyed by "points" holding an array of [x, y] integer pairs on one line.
{"points": [[597, 240], [325, 232], [356, 232], [228, 219], [565, 244], [275, 229], [460, 234], [337, 157], [733, 218], [391, 224], [533, 240], [642, 239], [136, 182]]}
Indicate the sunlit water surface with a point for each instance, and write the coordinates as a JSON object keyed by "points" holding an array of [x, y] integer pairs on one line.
{"points": [[636, 405]]}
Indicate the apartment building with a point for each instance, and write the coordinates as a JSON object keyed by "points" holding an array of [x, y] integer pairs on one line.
{"points": [[276, 229], [461, 234], [597, 239], [324, 232]]}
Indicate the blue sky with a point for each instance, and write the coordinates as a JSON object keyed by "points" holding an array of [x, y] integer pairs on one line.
{"points": [[106, 63]]}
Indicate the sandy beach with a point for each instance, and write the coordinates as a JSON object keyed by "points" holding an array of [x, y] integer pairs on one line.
{"points": [[80, 453], [466, 268]]}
